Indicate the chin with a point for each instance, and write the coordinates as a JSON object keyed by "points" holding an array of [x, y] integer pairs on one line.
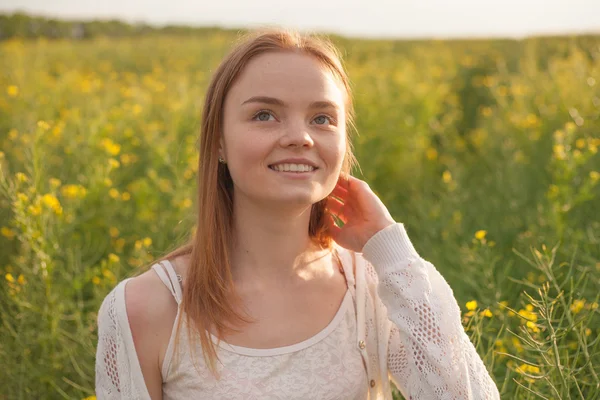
{"points": [[295, 199]]}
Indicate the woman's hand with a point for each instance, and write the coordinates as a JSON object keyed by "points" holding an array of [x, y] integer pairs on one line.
{"points": [[360, 209]]}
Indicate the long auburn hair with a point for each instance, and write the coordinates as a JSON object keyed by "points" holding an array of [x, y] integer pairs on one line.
{"points": [[209, 298]]}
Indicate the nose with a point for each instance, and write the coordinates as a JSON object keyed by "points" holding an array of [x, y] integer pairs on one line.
{"points": [[296, 135]]}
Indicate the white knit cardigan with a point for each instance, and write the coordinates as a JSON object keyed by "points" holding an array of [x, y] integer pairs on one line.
{"points": [[409, 330]]}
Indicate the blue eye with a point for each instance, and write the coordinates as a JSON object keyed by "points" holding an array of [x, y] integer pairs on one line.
{"points": [[260, 114], [324, 118]]}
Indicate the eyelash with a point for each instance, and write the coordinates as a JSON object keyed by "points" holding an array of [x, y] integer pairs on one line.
{"points": [[332, 120]]}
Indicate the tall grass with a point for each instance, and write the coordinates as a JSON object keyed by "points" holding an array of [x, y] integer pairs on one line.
{"points": [[486, 150]]}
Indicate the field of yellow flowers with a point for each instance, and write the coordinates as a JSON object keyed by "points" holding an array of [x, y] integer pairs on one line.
{"points": [[486, 150]]}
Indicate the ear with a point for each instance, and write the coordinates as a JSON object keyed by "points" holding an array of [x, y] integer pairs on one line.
{"points": [[221, 147]]}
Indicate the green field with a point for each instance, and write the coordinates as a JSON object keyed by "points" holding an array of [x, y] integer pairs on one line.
{"points": [[486, 150]]}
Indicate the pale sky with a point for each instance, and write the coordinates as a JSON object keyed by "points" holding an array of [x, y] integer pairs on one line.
{"points": [[366, 18]]}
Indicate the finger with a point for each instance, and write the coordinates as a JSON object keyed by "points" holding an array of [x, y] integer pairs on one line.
{"points": [[353, 182], [344, 181], [336, 207], [339, 191], [332, 227]]}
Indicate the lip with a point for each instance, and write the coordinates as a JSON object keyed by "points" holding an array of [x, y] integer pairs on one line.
{"points": [[296, 161], [295, 175]]}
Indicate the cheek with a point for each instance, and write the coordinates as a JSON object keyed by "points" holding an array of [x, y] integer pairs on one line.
{"points": [[337, 151], [247, 151]]}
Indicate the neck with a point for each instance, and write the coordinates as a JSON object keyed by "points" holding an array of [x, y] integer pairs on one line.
{"points": [[272, 246]]}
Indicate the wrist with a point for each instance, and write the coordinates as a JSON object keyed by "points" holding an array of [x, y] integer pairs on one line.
{"points": [[380, 226], [388, 246]]}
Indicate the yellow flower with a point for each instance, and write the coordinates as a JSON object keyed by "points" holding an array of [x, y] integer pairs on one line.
{"points": [[532, 326], [188, 174], [112, 163], [113, 258], [12, 91], [35, 210], [147, 242], [472, 305], [588, 331], [21, 177], [52, 202], [517, 343], [73, 191], [95, 281], [107, 273], [431, 153], [580, 143], [447, 177], [187, 203], [114, 193], [90, 398], [480, 235], [7, 232], [43, 125], [9, 277], [114, 232], [110, 147], [528, 369], [570, 127], [127, 159], [54, 183], [138, 244], [577, 306], [559, 151], [528, 313], [57, 130], [594, 176], [125, 196], [486, 313], [137, 109]]}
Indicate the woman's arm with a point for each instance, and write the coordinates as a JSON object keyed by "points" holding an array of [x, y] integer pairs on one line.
{"points": [[148, 317], [429, 354], [134, 325]]}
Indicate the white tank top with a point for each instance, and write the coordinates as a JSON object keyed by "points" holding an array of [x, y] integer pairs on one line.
{"points": [[326, 366]]}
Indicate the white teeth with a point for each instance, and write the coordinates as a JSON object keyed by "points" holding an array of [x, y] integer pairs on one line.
{"points": [[293, 168]]}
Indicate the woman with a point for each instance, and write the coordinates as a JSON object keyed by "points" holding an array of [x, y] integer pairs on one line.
{"points": [[274, 297]]}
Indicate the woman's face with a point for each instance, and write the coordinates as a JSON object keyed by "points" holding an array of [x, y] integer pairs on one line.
{"points": [[284, 106]]}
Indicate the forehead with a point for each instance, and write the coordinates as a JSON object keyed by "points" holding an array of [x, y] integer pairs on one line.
{"points": [[291, 77]]}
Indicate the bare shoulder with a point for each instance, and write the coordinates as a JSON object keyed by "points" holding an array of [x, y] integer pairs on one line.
{"points": [[151, 311], [148, 300]]}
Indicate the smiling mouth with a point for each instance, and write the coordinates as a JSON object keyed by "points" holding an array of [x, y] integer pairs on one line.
{"points": [[300, 170]]}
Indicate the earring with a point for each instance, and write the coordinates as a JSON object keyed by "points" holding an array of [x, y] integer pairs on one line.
{"points": [[221, 160]]}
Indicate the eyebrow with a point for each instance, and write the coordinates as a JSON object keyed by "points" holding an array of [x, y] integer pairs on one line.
{"points": [[277, 102]]}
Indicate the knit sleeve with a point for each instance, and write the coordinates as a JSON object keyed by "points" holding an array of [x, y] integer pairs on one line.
{"points": [[429, 354], [118, 375]]}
